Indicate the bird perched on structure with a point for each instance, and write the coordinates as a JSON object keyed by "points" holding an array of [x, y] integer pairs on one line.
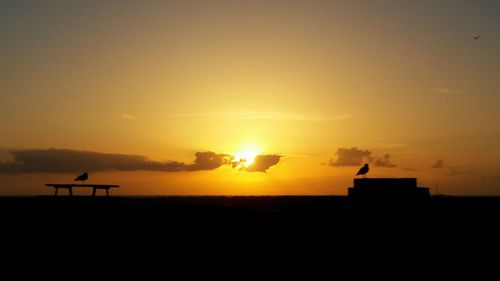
{"points": [[363, 170], [83, 177]]}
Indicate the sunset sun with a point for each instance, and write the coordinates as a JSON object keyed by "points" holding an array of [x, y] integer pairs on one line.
{"points": [[246, 157]]}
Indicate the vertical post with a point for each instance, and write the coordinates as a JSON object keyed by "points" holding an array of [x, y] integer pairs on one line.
{"points": [[55, 194], [107, 192], [70, 191], [93, 192]]}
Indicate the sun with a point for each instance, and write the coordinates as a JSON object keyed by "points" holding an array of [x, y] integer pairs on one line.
{"points": [[246, 157]]}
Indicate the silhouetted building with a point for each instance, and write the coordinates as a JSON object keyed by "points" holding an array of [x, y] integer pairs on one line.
{"points": [[387, 189]]}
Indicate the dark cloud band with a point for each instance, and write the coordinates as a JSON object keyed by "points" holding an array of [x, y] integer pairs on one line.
{"points": [[356, 157], [351, 157], [70, 161]]}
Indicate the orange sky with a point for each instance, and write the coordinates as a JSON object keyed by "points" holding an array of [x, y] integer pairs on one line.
{"points": [[313, 82]]}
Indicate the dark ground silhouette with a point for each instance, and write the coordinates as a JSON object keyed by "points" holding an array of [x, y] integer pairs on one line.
{"points": [[280, 229], [323, 215]]}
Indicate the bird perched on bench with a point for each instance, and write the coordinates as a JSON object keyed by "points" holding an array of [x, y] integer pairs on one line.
{"points": [[83, 177], [363, 170]]}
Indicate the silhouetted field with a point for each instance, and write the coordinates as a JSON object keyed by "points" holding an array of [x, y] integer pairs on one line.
{"points": [[244, 224], [88, 234], [336, 214]]}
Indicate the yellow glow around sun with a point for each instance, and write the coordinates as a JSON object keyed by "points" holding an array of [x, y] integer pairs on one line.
{"points": [[246, 157]]}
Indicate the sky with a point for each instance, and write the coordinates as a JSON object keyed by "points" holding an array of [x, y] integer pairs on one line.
{"points": [[172, 97]]}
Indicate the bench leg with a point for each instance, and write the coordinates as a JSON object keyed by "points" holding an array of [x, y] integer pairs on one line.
{"points": [[55, 194], [93, 192], [107, 192], [70, 191]]}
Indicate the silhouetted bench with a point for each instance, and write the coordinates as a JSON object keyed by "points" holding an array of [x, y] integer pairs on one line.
{"points": [[70, 186]]}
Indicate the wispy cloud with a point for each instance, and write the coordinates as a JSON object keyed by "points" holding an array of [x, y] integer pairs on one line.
{"points": [[393, 145], [444, 91], [453, 170], [438, 165], [409, 169], [127, 116], [457, 171], [260, 115], [387, 143]]}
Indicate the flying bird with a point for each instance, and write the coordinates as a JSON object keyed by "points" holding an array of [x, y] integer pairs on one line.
{"points": [[83, 177], [363, 170], [476, 37]]}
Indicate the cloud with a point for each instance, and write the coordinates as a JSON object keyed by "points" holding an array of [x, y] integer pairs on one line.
{"points": [[453, 170], [438, 165], [457, 171], [410, 169], [128, 116], [65, 160], [70, 161], [262, 163], [356, 157], [208, 161], [261, 115], [385, 161], [444, 91], [351, 157], [5, 155]]}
